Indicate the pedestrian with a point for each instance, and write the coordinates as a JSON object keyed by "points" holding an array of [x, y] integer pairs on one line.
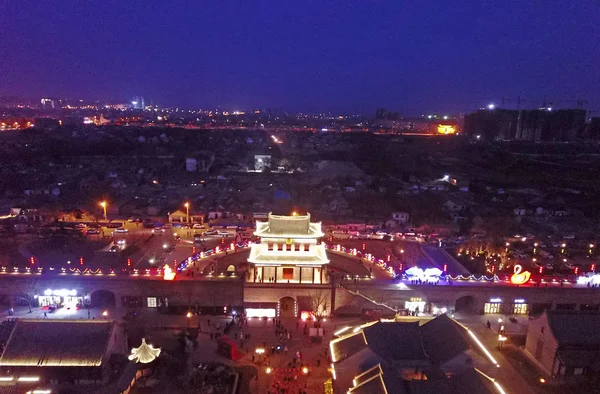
{"points": [[88, 314], [45, 315]]}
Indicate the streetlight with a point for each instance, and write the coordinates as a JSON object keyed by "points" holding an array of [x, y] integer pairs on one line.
{"points": [[103, 205], [563, 246], [189, 316], [187, 208], [105, 313], [591, 249]]}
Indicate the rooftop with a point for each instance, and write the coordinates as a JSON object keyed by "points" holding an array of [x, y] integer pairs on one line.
{"points": [[397, 341], [54, 343], [289, 227], [444, 339], [575, 327]]}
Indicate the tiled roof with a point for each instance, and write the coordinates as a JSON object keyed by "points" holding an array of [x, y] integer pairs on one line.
{"points": [[579, 358], [470, 381], [347, 345], [575, 328], [444, 339], [396, 341], [377, 380], [289, 226], [44, 343]]}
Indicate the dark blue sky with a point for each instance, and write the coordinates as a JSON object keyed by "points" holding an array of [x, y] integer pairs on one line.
{"points": [[408, 56]]}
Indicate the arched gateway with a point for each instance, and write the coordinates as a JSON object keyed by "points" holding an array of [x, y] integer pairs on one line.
{"points": [[287, 307]]}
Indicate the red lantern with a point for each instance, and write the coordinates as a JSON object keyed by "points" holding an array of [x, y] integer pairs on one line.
{"points": [[32, 260], [129, 262], [81, 261]]}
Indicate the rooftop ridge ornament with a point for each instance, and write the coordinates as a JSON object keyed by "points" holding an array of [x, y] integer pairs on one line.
{"points": [[145, 353]]}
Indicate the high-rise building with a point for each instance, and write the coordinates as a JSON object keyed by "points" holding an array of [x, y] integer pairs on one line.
{"points": [[48, 103], [537, 125], [138, 103]]}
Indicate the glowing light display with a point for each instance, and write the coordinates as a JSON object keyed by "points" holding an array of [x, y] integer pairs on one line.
{"points": [[519, 278], [145, 353], [446, 129], [168, 274], [428, 275]]}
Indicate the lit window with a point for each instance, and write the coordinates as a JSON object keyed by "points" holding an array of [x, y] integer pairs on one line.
{"points": [[288, 248], [152, 302], [306, 247], [270, 246], [297, 248]]}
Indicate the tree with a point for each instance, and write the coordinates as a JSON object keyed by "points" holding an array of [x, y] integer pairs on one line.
{"points": [[319, 305]]}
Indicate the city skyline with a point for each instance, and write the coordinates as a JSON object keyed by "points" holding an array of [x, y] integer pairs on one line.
{"points": [[326, 58]]}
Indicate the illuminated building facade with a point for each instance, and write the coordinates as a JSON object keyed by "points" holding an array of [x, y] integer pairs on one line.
{"points": [[289, 251]]}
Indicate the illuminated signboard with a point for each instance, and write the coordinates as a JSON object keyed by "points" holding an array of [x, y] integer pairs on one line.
{"points": [[519, 278]]}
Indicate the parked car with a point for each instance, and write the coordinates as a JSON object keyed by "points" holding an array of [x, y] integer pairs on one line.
{"points": [[93, 231], [158, 230], [121, 230], [198, 226], [211, 232]]}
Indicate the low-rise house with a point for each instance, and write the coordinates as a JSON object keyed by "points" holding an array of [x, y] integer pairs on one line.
{"points": [[453, 206], [400, 217], [566, 344], [181, 216]]}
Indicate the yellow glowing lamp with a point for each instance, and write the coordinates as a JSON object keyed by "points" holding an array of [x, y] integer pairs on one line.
{"points": [[289, 241]]}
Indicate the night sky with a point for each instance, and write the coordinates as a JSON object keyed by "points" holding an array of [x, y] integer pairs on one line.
{"points": [[407, 56]]}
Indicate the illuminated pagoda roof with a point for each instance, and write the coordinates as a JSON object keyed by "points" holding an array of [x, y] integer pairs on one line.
{"points": [[288, 227], [57, 343], [288, 258], [145, 353]]}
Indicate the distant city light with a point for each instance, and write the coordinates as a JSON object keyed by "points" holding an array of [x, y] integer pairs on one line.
{"points": [[445, 117], [491, 106], [134, 102]]}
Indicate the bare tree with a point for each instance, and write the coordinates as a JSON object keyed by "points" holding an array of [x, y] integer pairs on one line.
{"points": [[319, 305]]}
